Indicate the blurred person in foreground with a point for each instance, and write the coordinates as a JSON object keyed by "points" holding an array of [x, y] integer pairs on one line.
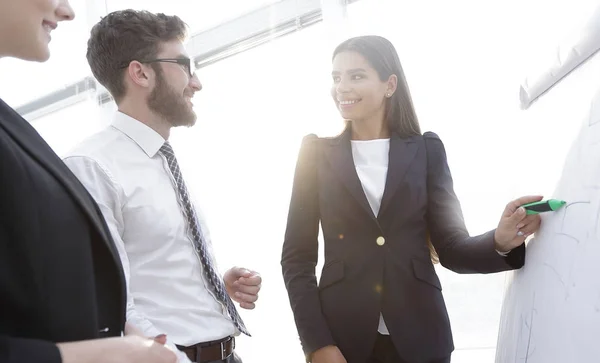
{"points": [[62, 288]]}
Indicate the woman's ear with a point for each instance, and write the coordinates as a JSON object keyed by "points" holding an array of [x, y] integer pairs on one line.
{"points": [[392, 85]]}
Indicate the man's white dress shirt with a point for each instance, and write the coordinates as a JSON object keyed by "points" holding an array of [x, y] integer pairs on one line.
{"points": [[131, 182]]}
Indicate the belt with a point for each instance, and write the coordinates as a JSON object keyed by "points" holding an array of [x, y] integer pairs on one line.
{"points": [[210, 351]]}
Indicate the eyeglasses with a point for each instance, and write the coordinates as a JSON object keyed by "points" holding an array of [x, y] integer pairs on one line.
{"points": [[188, 63]]}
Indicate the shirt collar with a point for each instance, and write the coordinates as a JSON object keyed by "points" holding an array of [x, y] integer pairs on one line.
{"points": [[147, 139]]}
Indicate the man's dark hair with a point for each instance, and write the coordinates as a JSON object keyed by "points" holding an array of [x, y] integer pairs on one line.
{"points": [[126, 35]]}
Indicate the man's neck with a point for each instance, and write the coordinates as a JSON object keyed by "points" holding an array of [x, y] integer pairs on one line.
{"points": [[142, 114]]}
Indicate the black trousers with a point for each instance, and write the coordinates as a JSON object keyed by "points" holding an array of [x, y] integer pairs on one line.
{"points": [[385, 352]]}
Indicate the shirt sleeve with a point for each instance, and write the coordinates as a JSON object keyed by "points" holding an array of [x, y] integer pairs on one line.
{"points": [[109, 196]]}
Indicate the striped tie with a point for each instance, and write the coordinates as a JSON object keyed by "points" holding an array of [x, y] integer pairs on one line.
{"points": [[196, 234]]}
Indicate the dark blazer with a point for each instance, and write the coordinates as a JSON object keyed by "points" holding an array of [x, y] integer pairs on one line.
{"points": [[60, 275], [362, 278]]}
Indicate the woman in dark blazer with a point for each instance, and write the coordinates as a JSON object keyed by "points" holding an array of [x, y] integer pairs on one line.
{"points": [[61, 282], [383, 194]]}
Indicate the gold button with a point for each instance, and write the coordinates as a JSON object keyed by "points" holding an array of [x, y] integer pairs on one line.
{"points": [[380, 240]]}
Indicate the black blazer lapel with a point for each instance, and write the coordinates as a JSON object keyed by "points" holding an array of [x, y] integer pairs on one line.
{"points": [[402, 152], [340, 157], [26, 136]]}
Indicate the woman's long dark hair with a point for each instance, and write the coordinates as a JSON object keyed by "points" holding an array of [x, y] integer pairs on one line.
{"points": [[400, 114]]}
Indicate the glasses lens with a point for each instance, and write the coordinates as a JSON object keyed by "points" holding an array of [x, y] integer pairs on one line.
{"points": [[192, 67]]}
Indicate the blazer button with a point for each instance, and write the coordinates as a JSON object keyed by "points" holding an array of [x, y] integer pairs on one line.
{"points": [[380, 241]]}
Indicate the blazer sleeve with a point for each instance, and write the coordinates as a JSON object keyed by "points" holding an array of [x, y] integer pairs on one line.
{"points": [[300, 252], [16, 349], [457, 250], [15, 279]]}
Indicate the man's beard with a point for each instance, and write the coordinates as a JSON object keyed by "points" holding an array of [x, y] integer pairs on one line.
{"points": [[168, 104]]}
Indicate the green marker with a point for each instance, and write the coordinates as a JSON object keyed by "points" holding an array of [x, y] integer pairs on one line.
{"points": [[543, 206]]}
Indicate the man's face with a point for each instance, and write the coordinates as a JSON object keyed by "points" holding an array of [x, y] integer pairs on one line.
{"points": [[174, 86]]}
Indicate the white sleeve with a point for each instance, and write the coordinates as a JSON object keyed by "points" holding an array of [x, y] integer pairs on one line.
{"points": [[109, 196]]}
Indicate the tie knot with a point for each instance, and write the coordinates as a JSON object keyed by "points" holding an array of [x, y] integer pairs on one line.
{"points": [[167, 150]]}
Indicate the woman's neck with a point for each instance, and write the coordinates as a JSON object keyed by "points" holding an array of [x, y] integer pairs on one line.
{"points": [[366, 130]]}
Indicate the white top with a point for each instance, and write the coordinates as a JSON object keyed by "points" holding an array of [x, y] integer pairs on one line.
{"points": [[371, 159], [131, 182]]}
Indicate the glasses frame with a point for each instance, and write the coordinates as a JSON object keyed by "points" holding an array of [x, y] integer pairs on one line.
{"points": [[188, 63]]}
